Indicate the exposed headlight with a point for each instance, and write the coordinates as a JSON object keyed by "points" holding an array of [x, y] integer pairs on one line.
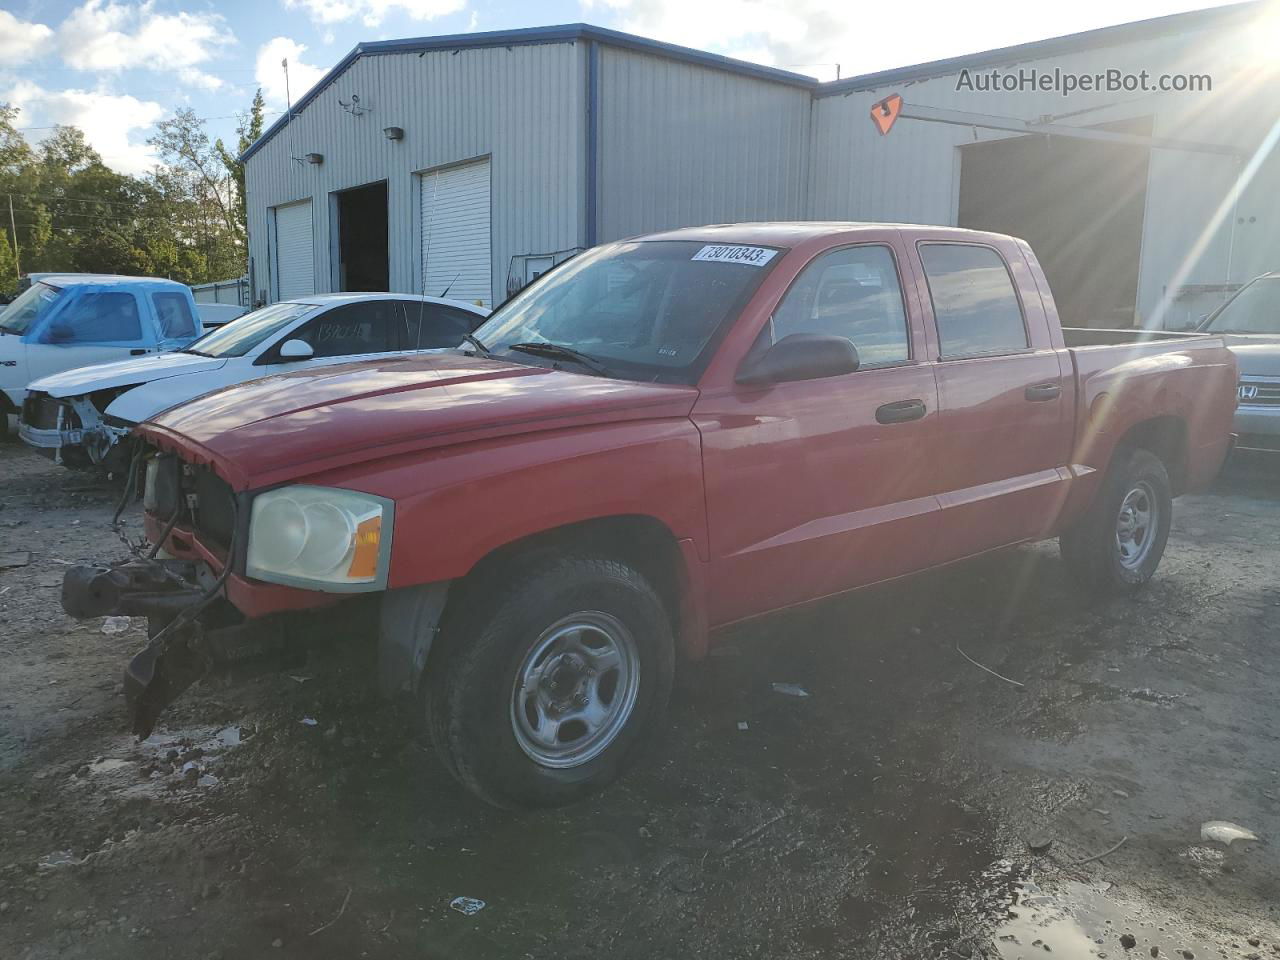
{"points": [[321, 538]]}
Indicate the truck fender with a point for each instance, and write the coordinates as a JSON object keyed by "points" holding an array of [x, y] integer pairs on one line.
{"points": [[408, 622]]}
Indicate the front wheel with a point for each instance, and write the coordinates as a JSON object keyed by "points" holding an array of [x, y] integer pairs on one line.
{"points": [[547, 694], [1116, 546]]}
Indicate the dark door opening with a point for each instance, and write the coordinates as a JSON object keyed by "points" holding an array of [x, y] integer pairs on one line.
{"points": [[1081, 206], [363, 262]]}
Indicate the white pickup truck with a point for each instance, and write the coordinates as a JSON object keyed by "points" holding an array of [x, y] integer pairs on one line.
{"points": [[66, 321], [78, 418]]}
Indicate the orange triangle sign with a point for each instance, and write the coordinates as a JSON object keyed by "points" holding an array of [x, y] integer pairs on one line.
{"points": [[885, 111]]}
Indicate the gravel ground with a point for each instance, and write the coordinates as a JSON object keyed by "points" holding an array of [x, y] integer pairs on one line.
{"points": [[912, 805]]}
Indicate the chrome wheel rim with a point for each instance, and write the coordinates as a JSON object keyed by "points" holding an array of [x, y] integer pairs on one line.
{"points": [[1136, 525], [575, 690]]}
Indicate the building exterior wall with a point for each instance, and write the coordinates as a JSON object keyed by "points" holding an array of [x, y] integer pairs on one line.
{"points": [[913, 174], [523, 107], [682, 144]]}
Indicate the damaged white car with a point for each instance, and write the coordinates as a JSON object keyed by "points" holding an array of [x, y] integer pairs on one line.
{"points": [[79, 417]]}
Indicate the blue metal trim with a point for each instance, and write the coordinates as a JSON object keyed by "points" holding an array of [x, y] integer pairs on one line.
{"points": [[1052, 47], [593, 138], [566, 33]]}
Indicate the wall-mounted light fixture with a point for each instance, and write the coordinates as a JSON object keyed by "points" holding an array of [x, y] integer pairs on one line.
{"points": [[393, 133], [316, 158]]}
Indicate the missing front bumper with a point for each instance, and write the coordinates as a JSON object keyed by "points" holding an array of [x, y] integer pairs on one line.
{"points": [[181, 651]]}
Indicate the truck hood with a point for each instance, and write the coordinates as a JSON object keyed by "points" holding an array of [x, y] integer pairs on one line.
{"points": [[297, 424], [1257, 359], [121, 373]]}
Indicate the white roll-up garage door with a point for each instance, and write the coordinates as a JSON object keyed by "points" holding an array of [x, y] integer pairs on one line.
{"points": [[455, 233], [295, 258]]}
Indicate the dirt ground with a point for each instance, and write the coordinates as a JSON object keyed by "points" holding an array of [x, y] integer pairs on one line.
{"points": [[902, 809]]}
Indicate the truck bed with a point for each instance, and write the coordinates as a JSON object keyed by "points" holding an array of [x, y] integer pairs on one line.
{"points": [[1099, 336]]}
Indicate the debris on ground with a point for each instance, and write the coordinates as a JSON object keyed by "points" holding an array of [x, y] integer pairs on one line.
{"points": [[59, 858], [980, 666], [742, 724], [467, 906], [1105, 853], [790, 689], [112, 625], [309, 722], [1225, 832], [1039, 842], [10, 560]]}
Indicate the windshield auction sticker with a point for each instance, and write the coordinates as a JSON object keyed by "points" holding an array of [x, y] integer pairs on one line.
{"points": [[720, 253]]}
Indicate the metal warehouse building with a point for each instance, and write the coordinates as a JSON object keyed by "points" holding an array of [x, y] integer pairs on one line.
{"points": [[471, 163]]}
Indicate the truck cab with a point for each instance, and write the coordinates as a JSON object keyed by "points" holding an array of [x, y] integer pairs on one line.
{"points": [[65, 321]]}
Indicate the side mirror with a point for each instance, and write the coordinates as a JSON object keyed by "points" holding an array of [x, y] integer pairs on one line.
{"points": [[801, 356], [296, 350], [61, 333]]}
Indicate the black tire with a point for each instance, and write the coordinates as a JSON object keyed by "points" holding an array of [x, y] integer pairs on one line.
{"points": [[1090, 549], [471, 684], [7, 433]]}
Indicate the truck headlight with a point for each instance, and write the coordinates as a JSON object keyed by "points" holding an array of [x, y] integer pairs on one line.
{"points": [[320, 538]]}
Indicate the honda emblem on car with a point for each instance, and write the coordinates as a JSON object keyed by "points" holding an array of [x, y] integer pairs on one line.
{"points": [[1247, 392]]}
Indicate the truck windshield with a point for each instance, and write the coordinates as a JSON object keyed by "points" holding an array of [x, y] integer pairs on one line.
{"points": [[244, 333], [1255, 309], [33, 304], [652, 310]]}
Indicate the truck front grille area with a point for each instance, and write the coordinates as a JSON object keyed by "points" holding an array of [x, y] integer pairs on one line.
{"points": [[1259, 393], [216, 507], [170, 481], [40, 412]]}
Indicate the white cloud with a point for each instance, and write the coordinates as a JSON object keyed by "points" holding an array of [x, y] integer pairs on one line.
{"points": [[106, 120], [373, 12], [270, 75], [811, 36], [20, 40], [102, 35]]}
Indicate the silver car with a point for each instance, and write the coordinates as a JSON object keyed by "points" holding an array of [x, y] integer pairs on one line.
{"points": [[1250, 322]]}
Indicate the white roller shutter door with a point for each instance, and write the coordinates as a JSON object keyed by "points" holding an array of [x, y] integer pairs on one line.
{"points": [[295, 257], [455, 234]]}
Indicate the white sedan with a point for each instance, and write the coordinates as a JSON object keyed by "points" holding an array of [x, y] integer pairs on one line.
{"points": [[79, 417]]}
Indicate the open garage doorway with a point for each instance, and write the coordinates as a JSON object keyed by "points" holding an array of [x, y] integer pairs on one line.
{"points": [[361, 262], [1079, 203]]}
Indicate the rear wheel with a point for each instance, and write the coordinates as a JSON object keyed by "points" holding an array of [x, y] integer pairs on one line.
{"points": [[1116, 547], [547, 693]]}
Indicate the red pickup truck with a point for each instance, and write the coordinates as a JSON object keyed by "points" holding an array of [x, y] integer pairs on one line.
{"points": [[660, 437]]}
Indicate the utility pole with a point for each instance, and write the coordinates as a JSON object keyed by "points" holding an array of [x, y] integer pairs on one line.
{"points": [[17, 268]]}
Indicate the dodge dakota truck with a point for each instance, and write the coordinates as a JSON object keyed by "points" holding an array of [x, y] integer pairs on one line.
{"points": [[659, 438]]}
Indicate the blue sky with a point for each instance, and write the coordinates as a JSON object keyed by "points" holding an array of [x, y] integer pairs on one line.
{"points": [[115, 67]]}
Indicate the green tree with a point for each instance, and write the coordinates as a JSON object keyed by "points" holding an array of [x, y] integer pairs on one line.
{"points": [[248, 130]]}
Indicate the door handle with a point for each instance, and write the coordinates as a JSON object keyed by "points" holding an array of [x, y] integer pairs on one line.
{"points": [[137, 353], [900, 411], [1040, 392]]}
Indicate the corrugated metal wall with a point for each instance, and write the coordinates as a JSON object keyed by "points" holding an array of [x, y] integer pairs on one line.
{"points": [[913, 174], [681, 144], [523, 107]]}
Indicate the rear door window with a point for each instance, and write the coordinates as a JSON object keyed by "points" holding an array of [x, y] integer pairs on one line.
{"points": [[174, 313], [975, 306], [431, 326], [98, 318], [353, 329]]}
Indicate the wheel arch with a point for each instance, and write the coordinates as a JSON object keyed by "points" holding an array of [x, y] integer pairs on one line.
{"points": [[640, 540], [1166, 438]]}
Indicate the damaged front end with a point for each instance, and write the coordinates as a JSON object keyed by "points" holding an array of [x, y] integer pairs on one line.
{"points": [[191, 630]]}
